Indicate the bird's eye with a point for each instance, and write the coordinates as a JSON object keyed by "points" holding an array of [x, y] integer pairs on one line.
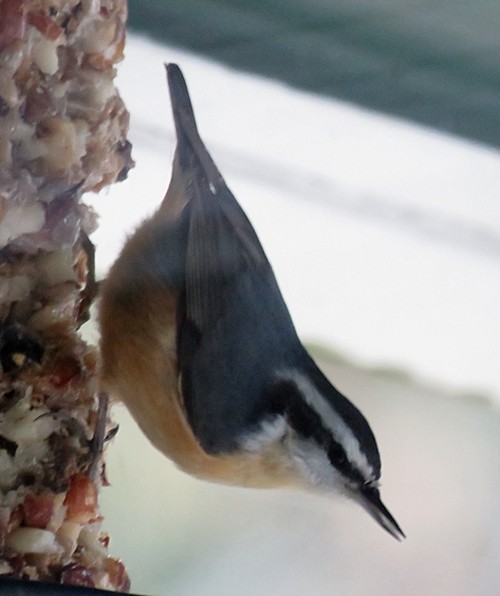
{"points": [[336, 454]]}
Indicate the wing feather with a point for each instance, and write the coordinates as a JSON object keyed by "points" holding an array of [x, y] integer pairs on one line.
{"points": [[234, 327]]}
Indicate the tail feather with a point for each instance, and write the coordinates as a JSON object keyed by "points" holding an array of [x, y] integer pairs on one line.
{"points": [[192, 153]]}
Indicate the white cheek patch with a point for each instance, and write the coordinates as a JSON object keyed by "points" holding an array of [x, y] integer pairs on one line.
{"points": [[271, 431], [332, 421], [314, 467]]}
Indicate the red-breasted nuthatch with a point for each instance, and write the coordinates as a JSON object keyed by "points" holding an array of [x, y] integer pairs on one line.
{"points": [[198, 342]]}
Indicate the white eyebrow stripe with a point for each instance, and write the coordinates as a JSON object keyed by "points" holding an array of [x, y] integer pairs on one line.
{"points": [[333, 421]]}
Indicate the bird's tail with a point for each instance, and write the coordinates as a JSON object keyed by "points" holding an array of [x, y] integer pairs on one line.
{"points": [[191, 151], [195, 174]]}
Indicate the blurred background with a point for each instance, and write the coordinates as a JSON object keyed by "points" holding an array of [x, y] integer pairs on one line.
{"points": [[363, 140]]}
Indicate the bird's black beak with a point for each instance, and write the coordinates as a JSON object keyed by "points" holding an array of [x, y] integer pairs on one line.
{"points": [[369, 497]]}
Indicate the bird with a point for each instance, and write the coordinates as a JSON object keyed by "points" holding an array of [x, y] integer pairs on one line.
{"points": [[197, 341]]}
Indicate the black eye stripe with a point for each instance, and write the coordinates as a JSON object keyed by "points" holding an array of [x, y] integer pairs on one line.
{"points": [[336, 453], [307, 422], [339, 459]]}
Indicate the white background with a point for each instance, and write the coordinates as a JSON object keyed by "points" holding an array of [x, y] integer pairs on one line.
{"points": [[384, 236]]}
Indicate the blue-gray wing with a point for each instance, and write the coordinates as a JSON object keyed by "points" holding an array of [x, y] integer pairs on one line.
{"points": [[234, 329]]}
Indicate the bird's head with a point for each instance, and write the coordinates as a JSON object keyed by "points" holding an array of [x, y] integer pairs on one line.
{"points": [[327, 442]]}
